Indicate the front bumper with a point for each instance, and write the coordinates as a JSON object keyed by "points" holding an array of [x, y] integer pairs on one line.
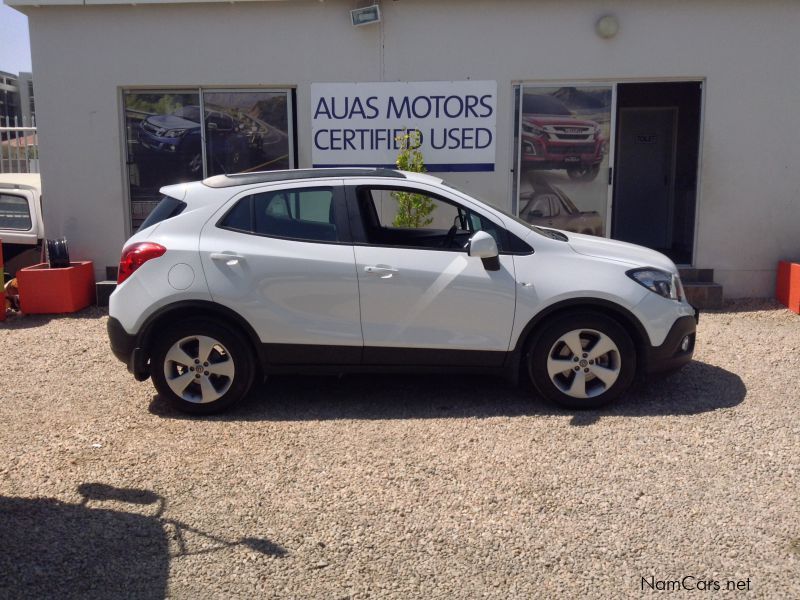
{"points": [[561, 154], [669, 356], [124, 347]]}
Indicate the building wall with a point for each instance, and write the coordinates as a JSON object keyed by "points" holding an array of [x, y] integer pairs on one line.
{"points": [[9, 100], [746, 51]]}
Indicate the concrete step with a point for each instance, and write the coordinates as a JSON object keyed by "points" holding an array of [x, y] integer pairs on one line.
{"points": [[103, 290], [704, 295], [692, 275]]}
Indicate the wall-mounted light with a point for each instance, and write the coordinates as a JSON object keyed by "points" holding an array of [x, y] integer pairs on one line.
{"points": [[365, 15], [607, 26]]}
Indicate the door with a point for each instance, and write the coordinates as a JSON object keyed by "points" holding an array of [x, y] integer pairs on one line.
{"points": [[282, 258], [423, 299], [644, 195]]}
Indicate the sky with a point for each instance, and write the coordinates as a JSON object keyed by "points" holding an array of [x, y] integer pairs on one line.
{"points": [[15, 45]]}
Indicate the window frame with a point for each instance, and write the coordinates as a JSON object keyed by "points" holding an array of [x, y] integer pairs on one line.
{"points": [[27, 203], [359, 234], [340, 213]]}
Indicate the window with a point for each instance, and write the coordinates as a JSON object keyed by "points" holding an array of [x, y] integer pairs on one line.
{"points": [[14, 213], [166, 209], [299, 214], [414, 219], [190, 134]]}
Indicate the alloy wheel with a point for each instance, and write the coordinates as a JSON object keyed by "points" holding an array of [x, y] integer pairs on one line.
{"points": [[199, 369], [584, 363]]}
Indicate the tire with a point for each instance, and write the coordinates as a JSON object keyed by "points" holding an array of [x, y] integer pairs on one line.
{"points": [[583, 173], [223, 354], [588, 387]]}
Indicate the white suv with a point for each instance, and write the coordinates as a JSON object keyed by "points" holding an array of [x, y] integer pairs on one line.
{"points": [[340, 270]]}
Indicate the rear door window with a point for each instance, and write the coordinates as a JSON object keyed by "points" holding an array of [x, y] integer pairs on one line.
{"points": [[15, 213], [301, 214], [307, 214]]}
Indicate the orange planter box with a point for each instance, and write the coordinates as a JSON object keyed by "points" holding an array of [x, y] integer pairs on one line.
{"points": [[44, 290], [787, 288]]}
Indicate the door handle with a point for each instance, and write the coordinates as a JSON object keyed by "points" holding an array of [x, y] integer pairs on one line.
{"points": [[382, 271], [231, 259]]}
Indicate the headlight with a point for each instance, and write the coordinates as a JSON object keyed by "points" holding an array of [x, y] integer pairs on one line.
{"points": [[661, 282], [532, 129], [173, 133]]}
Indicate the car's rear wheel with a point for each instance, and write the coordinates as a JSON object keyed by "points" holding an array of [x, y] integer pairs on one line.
{"points": [[583, 173], [201, 367], [582, 361]]}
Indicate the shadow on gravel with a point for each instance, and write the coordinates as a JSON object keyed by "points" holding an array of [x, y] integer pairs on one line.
{"points": [[22, 321], [697, 388], [53, 549]]}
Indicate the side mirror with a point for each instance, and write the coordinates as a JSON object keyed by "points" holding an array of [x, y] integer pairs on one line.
{"points": [[483, 246]]}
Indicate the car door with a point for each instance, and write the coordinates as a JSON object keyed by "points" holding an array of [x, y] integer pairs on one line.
{"points": [[282, 258], [423, 299]]}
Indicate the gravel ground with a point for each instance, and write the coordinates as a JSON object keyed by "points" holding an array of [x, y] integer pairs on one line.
{"points": [[399, 487]]}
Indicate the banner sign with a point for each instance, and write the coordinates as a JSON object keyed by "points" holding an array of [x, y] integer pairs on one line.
{"points": [[355, 124]]}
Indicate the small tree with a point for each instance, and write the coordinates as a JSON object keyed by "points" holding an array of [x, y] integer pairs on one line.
{"points": [[413, 210]]}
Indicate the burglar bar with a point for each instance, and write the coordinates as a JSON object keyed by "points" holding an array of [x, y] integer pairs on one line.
{"points": [[17, 144]]}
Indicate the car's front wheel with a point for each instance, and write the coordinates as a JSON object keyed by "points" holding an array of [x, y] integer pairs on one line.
{"points": [[582, 361], [201, 367]]}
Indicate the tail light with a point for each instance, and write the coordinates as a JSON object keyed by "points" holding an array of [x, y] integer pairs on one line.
{"points": [[135, 255]]}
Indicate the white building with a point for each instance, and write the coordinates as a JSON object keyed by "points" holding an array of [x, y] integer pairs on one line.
{"points": [[675, 119]]}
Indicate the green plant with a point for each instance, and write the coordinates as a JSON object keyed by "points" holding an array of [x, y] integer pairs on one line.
{"points": [[413, 210]]}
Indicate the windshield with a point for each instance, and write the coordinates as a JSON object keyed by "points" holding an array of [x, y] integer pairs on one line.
{"points": [[548, 233], [536, 104], [190, 113]]}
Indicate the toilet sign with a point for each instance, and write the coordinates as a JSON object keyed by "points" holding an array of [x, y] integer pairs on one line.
{"points": [[355, 124]]}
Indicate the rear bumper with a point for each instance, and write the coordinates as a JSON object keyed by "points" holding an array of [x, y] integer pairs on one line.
{"points": [[669, 356], [124, 347]]}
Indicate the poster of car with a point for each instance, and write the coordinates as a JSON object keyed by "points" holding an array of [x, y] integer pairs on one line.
{"points": [[165, 131], [563, 155]]}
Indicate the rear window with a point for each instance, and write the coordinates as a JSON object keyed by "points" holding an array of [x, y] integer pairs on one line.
{"points": [[14, 213], [166, 209]]}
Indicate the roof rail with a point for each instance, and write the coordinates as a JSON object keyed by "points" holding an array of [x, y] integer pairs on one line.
{"points": [[224, 181]]}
